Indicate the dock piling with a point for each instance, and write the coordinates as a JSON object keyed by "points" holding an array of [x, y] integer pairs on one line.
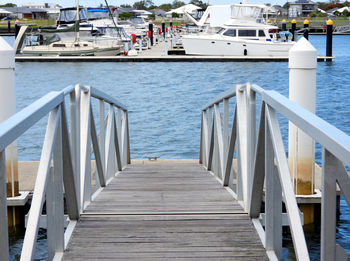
{"points": [[306, 31], [294, 28], [302, 90], [150, 28], [284, 25], [329, 39]]}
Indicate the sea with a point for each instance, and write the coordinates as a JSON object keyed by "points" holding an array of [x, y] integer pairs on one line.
{"points": [[165, 100]]}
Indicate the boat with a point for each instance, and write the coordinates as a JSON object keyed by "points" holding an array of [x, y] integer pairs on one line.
{"points": [[59, 41], [244, 34]]}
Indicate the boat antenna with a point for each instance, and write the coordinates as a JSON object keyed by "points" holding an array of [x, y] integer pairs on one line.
{"points": [[110, 13], [77, 21]]}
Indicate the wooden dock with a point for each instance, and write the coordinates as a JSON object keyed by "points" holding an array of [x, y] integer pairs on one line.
{"points": [[164, 211]]}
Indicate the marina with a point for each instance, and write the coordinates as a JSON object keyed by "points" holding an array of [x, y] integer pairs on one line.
{"points": [[174, 155]]}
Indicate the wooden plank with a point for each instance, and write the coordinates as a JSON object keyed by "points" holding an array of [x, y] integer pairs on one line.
{"points": [[165, 211]]}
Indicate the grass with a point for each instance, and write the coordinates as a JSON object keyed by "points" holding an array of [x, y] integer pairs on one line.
{"points": [[34, 22]]}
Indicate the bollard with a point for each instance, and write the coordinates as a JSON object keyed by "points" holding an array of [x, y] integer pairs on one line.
{"points": [[150, 28], [9, 26], [306, 32], [294, 28], [140, 45], [163, 28], [284, 25], [329, 39], [166, 47], [7, 109], [17, 27], [301, 148]]}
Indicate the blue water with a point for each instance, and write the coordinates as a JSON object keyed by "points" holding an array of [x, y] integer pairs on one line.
{"points": [[165, 100]]}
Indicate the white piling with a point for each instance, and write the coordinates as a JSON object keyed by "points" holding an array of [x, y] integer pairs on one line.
{"points": [[140, 45], [166, 47], [7, 109], [302, 90]]}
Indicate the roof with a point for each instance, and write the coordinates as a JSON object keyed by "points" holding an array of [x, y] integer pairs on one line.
{"points": [[188, 8], [3, 11], [308, 2], [24, 10]]}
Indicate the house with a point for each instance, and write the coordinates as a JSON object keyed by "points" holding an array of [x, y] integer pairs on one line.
{"points": [[27, 13], [280, 11], [158, 12], [53, 10], [302, 8]]}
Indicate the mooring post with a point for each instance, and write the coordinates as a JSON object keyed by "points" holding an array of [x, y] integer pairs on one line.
{"points": [[301, 147], [9, 26], [163, 28], [171, 25], [150, 28], [7, 109], [294, 28], [284, 25], [166, 47], [306, 26], [140, 45], [329, 39]]}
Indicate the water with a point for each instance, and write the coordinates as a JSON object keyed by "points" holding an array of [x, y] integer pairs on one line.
{"points": [[165, 100]]}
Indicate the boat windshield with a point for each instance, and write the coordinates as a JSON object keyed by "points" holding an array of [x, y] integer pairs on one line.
{"points": [[230, 32], [69, 16], [220, 31], [97, 13], [247, 12], [137, 20]]}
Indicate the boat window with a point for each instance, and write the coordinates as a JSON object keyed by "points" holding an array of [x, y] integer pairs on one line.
{"points": [[261, 33], [230, 32], [220, 31], [246, 32]]}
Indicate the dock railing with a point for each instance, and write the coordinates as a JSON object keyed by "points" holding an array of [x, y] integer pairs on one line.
{"points": [[262, 164], [65, 164]]}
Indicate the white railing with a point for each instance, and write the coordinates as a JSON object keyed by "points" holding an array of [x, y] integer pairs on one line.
{"points": [[262, 165], [65, 163]]}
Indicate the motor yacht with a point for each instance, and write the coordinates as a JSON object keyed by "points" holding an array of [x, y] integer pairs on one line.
{"points": [[245, 34]]}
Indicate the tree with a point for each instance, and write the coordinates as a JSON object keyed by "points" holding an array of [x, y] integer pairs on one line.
{"points": [[8, 5], [177, 4], [143, 4], [286, 5], [124, 15], [199, 3], [125, 6], [165, 7], [152, 16]]}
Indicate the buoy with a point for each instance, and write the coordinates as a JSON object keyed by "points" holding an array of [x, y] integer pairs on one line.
{"points": [[159, 31], [133, 38]]}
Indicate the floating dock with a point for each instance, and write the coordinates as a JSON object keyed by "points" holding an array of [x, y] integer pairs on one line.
{"points": [[157, 54]]}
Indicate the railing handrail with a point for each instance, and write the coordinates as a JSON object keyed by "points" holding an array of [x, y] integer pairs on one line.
{"points": [[261, 154], [66, 160]]}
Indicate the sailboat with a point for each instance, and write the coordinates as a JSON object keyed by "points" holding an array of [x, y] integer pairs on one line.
{"points": [[55, 46]]}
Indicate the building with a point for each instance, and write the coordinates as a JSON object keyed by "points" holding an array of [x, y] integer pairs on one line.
{"points": [[301, 8], [27, 13]]}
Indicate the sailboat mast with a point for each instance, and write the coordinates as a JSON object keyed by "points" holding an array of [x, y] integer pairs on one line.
{"points": [[77, 21]]}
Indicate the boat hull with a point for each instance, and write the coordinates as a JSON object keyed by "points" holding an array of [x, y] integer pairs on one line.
{"points": [[237, 47]]}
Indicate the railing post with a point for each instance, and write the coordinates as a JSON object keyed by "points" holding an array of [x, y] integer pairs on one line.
{"points": [[251, 137], [273, 200], [127, 137], [226, 130], [102, 134], [242, 123], [85, 142], [54, 200], [75, 138], [4, 245]]}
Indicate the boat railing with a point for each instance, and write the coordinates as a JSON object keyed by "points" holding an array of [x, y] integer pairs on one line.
{"points": [[262, 166], [66, 169]]}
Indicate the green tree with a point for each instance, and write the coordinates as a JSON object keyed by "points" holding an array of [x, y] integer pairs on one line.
{"points": [[286, 5], [199, 3], [177, 4], [143, 4], [152, 16], [175, 15], [8, 5], [124, 15], [125, 6], [165, 7]]}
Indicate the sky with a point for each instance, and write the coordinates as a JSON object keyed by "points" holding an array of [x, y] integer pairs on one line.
{"points": [[92, 3]]}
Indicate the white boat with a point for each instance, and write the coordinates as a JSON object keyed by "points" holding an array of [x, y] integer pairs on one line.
{"points": [[243, 35]]}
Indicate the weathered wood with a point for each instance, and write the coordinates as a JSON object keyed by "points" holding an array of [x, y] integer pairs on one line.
{"points": [[165, 211]]}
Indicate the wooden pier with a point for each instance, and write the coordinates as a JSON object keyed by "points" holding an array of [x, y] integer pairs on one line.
{"points": [[165, 211]]}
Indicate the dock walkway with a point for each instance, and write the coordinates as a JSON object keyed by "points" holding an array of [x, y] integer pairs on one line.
{"points": [[164, 211]]}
